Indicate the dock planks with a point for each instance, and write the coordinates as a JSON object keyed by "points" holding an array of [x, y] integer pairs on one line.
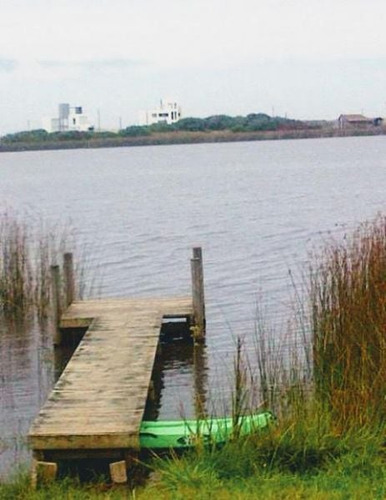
{"points": [[99, 400]]}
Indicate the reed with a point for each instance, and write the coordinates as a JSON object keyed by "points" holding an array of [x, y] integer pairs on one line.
{"points": [[279, 370], [331, 362], [348, 319], [16, 276], [26, 253], [324, 377]]}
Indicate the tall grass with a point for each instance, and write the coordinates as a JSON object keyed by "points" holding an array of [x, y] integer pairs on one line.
{"points": [[26, 254], [324, 378], [283, 382], [16, 276], [332, 360], [348, 319]]}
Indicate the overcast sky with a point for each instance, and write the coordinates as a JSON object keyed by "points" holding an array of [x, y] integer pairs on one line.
{"points": [[304, 58]]}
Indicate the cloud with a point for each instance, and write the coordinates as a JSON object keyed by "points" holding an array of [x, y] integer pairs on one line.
{"points": [[8, 65], [96, 64]]}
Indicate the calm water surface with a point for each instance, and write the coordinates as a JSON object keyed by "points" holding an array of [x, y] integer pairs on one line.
{"points": [[256, 208]]}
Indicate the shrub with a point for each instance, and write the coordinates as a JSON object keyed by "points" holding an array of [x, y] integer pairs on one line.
{"points": [[134, 131]]}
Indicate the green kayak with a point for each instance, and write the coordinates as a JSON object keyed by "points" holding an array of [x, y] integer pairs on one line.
{"points": [[185, 433]]}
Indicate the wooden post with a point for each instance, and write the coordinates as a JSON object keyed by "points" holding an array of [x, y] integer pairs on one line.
{"points": [[200, 378], [45, 472], [198, 293], [69, 280], [56, 302], [151, 391], [118, 472]]}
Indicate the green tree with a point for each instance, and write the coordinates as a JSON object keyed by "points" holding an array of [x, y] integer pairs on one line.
{"points": [[191, 124], [134, 131]]}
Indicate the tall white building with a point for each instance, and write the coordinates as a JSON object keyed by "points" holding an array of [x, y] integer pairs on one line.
{"points": [[167, 112], [70, 118]]}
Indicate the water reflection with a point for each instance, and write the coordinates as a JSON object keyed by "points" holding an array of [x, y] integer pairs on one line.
{"points": [[26, 377], [179, 376]]}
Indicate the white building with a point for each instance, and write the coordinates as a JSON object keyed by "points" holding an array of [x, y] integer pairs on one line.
{"points": [[168, 112], [70, 118]]}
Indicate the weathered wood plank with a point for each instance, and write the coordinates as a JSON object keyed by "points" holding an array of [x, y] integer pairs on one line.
{"points": [[99, 400], [85, 442], [118, 472], [45, 471]]}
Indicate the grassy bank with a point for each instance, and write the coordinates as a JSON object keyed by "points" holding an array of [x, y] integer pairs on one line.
{"points": [[274, 467], [111, 140]]}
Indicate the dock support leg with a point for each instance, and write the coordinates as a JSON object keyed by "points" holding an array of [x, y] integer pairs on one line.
{"points": [[56, 302], [198, 294], [151, 391], [43, 472], [118, 472], [199, 372], [69, 279]]}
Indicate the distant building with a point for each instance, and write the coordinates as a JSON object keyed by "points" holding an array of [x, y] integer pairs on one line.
{"points": [[354, 121], [70, 118], [168, 112]]}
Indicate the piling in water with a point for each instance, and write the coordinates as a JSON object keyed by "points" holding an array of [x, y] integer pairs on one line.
{"points": [[198, 294]]}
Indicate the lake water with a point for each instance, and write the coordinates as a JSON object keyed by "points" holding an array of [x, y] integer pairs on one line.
{"points": [[256, 208]]}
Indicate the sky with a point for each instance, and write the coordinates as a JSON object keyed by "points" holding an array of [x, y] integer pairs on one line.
{"points": [[305, 59]]}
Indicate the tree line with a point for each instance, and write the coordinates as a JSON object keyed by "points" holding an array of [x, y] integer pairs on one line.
{"points": [[253, 122]]}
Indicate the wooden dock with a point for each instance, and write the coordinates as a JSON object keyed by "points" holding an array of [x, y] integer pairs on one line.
{"points": [[96, 408], [98, 402]]}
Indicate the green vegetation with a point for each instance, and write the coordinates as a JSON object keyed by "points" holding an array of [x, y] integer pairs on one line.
{"points": [[216, 128], [283, 465], [236, 472], [329, 396], [249, 123], [184, 131], [292, 461], [190, 130]]}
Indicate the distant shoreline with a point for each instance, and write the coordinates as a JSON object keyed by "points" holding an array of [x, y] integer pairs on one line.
{"points": [[182, 137]]}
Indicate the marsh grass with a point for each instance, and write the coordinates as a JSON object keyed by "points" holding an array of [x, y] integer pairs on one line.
{"points": [[26, 254], [16, 278], [348, 320]]}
